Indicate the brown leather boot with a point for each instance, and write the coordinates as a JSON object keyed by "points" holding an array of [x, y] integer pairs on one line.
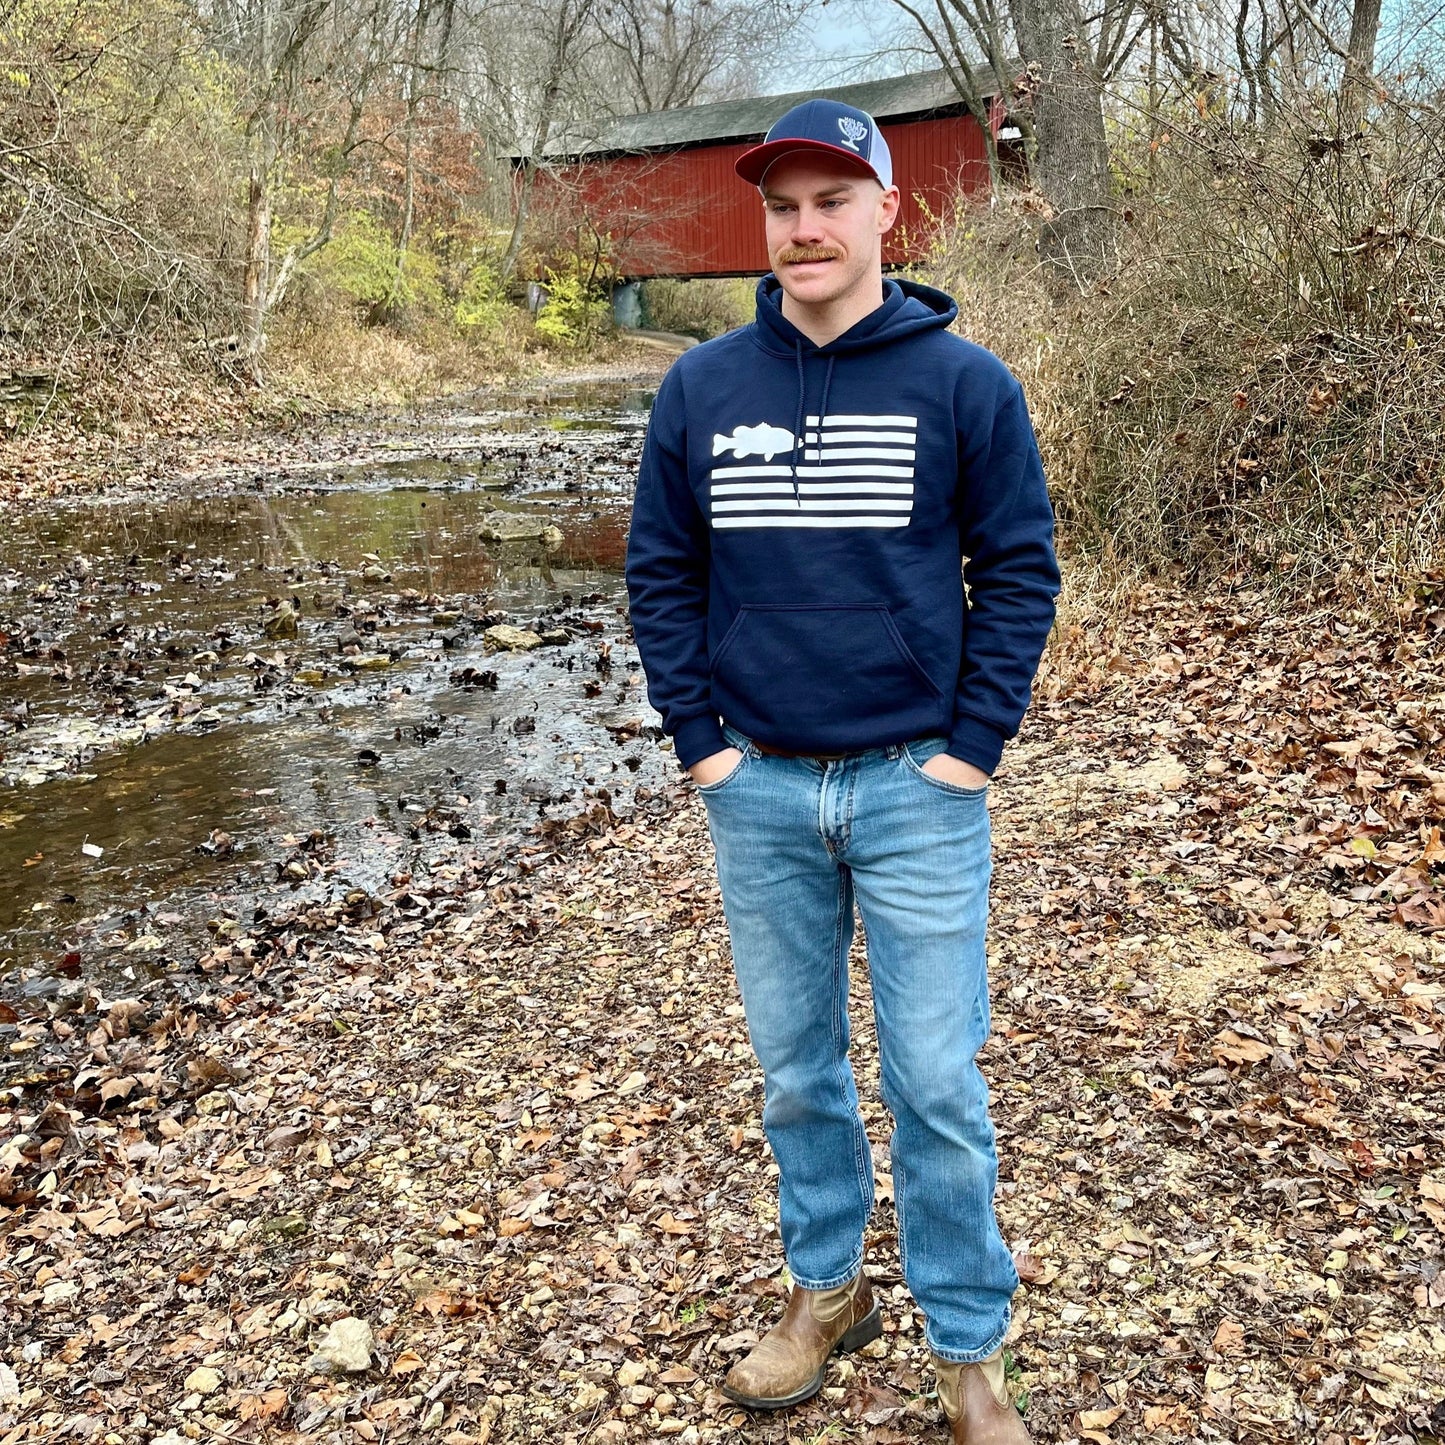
{"points": [[786, 1366], [977, 1403]]}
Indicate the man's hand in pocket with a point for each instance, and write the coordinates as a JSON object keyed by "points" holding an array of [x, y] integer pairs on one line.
{"points": [[715, 768], [950, 769]]}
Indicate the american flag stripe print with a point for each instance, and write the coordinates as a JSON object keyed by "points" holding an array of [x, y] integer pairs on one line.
{"points": [[852, 471]]}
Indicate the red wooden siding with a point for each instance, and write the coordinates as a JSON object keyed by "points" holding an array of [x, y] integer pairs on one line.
{"points": [[686, 212]]}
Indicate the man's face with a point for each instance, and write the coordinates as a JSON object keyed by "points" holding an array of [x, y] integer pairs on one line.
{"points": [[825, 223]]}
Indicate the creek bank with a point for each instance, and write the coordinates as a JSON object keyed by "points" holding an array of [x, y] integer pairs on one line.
{"points": [[234, 431]]}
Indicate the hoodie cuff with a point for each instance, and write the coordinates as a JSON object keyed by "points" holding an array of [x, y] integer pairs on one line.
{"points": [[976, 742], [698, 738]]}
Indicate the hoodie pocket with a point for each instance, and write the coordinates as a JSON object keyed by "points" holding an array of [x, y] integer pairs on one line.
{"points": [[813, 673]]}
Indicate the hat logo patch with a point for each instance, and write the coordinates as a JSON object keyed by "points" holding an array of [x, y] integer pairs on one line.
{"points": [[853, 131]]}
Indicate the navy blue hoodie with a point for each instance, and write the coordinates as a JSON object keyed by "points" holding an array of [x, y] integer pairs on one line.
{"points": [[796, 559]]}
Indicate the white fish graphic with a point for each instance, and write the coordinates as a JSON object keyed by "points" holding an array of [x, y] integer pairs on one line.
{"points": [[754, 441]]}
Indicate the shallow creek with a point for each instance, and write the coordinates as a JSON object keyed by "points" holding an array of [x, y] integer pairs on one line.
{"points": [[278, 681]]}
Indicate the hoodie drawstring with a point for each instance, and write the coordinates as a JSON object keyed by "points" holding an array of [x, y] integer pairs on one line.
{"points": [[798, 421], [823, 407], [799, 424]]}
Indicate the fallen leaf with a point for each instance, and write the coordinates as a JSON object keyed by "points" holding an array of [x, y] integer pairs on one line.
{"points": [[265, 1406], [1238, 1049]]}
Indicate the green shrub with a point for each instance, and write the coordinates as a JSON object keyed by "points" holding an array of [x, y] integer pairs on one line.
{"points": [[363, 262], [482, 305], [574, 312], [360, 261]]}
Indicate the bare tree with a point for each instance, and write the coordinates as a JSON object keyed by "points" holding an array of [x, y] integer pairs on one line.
{"points": [[1055, 88], [970, 39], [660, 54], [558, 34], [284, 47], [1065, 95], [100, 236], [268, 38], [415, 86], [1288, 52]]}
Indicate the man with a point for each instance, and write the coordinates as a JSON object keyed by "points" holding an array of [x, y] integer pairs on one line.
{"points": [[809, 488]]}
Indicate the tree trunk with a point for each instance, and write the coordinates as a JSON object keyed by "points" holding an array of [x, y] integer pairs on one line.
{"points": [[957, 29], [1360, 67], [408, 207], [262, 137], [568, 20], [990, 155], [528, 178], [1153, 87], [1071, 157], [258, 267], [1246, 64], [525, 182]]}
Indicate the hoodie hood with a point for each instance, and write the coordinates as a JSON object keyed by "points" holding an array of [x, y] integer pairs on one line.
{"points": [[908, 308]]}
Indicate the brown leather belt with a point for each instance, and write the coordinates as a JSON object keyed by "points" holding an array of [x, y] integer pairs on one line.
{"points": [[784, 753]]}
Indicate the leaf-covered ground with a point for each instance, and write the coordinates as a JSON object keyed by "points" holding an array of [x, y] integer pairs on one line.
{"points": [[508, 1116]]}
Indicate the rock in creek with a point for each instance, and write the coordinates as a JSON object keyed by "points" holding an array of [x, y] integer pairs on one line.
{"points": [[519, 527], [512, 639], [281, 621]]}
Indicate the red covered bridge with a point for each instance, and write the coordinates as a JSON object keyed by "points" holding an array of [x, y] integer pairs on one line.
{"points": [[661, 186]]}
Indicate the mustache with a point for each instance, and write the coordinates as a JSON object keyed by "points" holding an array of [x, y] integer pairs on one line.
{"points": [[790, 254]]}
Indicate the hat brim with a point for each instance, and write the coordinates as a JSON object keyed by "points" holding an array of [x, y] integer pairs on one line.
{"points": [[753, 164]]}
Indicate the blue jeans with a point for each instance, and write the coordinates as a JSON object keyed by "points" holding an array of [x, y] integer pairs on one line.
{"points": [[795, 839]]}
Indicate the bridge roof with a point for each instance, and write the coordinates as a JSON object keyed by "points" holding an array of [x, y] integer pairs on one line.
{"points": [[895, 98]]}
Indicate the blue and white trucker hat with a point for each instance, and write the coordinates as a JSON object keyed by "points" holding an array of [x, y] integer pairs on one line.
{"points": [[828, 126]]}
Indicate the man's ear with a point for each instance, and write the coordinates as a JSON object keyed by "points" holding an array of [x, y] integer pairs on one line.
{"points": [[888, 204]]}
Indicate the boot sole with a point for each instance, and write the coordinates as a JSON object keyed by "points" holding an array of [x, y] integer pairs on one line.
{"points": [[864, 1332]]}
